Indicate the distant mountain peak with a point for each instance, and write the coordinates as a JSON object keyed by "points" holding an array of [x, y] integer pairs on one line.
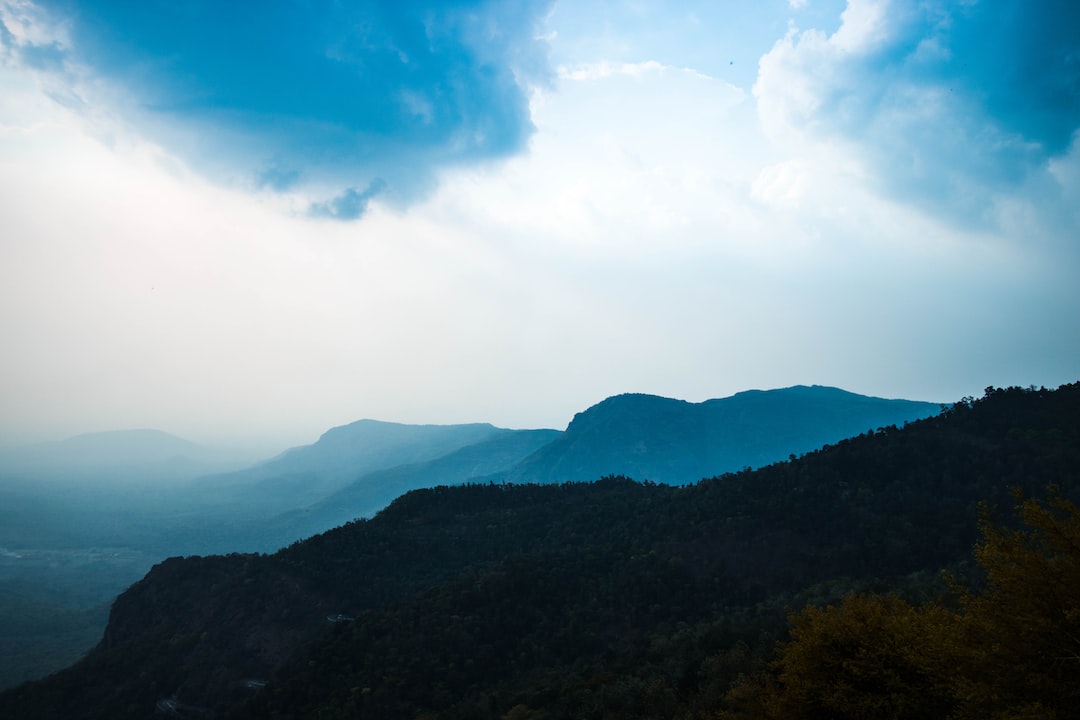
{"points": [[375, 428], [127, 438], [108, 447], [676, 441]]}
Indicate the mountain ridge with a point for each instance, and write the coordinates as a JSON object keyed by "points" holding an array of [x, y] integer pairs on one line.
{"points": [[112, 455], [305, 474], [285, 498], [677, 441], [561, 600], [670, 441]]}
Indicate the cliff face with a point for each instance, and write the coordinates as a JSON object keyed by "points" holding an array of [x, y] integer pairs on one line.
{"points": [[207, 630]]}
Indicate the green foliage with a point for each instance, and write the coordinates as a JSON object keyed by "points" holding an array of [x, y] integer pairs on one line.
{"points": [[1022, 627], [1012, 650]]}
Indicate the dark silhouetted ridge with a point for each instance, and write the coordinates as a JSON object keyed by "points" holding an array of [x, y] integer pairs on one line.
{"points": [[611, 598], [678, 442]]}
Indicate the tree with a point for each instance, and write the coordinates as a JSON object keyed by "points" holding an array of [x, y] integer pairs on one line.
{"points": [[871, 656], [1021, 631], [1012, 650]]}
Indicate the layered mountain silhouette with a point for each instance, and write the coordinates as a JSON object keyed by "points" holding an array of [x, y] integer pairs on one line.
{"points": [[304, 475], [677, 442], [375, 490], [355, 470], [611, 598], [351, 472], [118, 455]]}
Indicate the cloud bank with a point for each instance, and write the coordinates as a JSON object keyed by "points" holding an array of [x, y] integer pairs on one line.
{"points": [[336, 97], [949, 104]]}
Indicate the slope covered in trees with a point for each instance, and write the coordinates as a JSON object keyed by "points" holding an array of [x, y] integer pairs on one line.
{"points": [[604, 599], [1010, 648], [352, 471]]}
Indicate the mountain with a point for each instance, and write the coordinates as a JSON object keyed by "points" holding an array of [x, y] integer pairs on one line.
{"points": [[82, 519], [678, 442], [355, 470], [117, 455], [95, 489], [305, 475], [604, 599], [351, 471], [375, 490]]}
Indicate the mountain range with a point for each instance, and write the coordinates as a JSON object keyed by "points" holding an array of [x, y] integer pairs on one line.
{"points": [[355, 470], [678, 442], [118, 455], [82, 519], [609, 598]]}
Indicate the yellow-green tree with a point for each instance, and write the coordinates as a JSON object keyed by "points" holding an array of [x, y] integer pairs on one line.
{"points": [[1021, 630], [1011, 652], [871, 656]]}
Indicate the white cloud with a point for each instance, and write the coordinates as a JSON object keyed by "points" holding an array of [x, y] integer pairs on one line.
{"points": [[941, 133], [783, 184], [604, 69], [29, 26], [865, 25], [652, 239], [629, 147], [456, 98]]}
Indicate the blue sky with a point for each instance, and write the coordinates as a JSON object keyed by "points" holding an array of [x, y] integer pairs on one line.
{"points": [[234, 220]]}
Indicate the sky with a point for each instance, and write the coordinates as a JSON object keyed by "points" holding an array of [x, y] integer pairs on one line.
{"points": [[238, 221]]}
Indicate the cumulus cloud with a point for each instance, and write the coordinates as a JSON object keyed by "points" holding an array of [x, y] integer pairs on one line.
{"points": [[337, 94], [950, 104]]}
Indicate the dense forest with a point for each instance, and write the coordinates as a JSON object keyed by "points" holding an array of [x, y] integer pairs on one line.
{"points": [[83, 519], [809, 588]]}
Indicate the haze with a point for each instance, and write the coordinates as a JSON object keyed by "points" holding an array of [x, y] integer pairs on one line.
{"points": [[238, 222]]}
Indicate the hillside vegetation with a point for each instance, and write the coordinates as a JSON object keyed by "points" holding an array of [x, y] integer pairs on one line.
{"points": [[86, 517], [605, 599]]}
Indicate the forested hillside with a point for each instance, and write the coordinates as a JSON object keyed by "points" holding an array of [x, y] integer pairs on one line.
{"points": [[63, 504], [1008, 646], [605, 599]]}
